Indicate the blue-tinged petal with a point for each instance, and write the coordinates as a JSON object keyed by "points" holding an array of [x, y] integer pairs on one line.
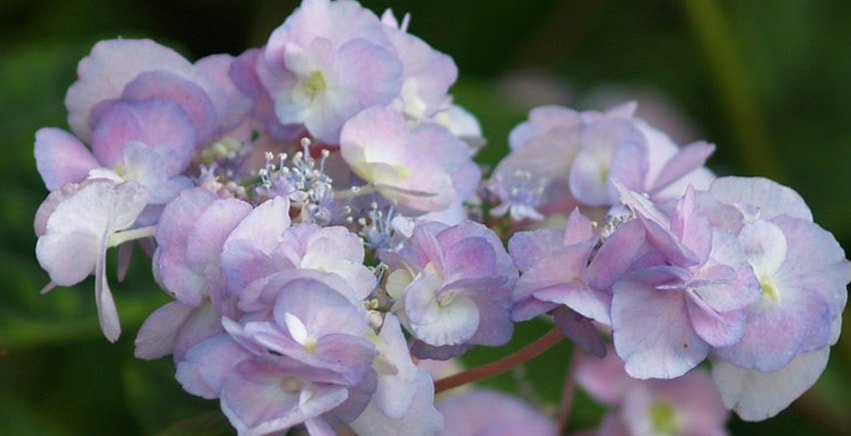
{"points": [[756, 395], [652, 332]]}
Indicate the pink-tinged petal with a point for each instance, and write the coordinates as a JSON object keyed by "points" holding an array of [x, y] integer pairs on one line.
{"points": [[718, 329], [542, 119], [419, 419], [687, 159], [652, 332], [527, 247], [617, 255], [231, 104], [61, 158], [169, 263], [158, 123], [209, 231], [815, 262], [579, 297], [628, 166], [578, 229], [372, 72], [208, 365], [778, 330], [760, 198], [756, 395], [260, 400], [188, 95], [103, 74], [158, 334]]}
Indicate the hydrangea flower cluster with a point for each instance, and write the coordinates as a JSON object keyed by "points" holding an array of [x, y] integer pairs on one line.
{"points": [[314, 209]]}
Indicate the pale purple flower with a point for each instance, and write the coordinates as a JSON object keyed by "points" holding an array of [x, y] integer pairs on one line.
{"points": [[186, 264], [136, 70], [420, 169], [327, 62], [684, 296], [265, 243], [306, 364], [803, 276], [594, 150], [78, 231], [452, 288]]}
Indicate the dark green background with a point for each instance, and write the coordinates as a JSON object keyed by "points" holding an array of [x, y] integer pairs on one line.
{"points": [[767, 81]]}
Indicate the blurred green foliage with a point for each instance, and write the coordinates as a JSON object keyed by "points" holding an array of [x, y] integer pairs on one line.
{"points": [[768, 82]]}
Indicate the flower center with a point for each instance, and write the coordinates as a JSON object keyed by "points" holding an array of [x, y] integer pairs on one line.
{"points": [[663, 417], [313, 85]]}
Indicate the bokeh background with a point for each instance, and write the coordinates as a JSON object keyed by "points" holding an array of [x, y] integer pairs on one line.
{"points": [[769, 82]]}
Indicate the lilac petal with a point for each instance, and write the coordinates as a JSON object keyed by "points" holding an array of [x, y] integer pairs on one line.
{"points": [[370, 71], [652, 332], [61, 158], [777, 331], [579, 297], [231, 105], [112, 64], [208, 364], [174, 136], [756, 395], [257, 401], [687, 159], [169, 263], [321, 308], [718, 329], [752, 194], [209, 231], [158, 334], [471, 257], [628, 166], [420, 419], [527, 247], [617, 255], [188, 95], [578, 229], [581, 331], [815, 261]]}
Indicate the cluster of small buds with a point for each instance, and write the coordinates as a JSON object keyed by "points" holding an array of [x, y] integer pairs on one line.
{"points": [[312, 210]]}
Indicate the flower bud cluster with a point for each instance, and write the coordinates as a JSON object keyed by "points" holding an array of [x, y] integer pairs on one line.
{"points": [[307, 205]]}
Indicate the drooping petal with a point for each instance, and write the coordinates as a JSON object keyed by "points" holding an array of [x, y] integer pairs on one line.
{"points": [[757, 395]]}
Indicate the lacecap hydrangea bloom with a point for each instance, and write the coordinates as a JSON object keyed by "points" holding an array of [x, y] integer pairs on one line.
{"points": [[314, 211]]}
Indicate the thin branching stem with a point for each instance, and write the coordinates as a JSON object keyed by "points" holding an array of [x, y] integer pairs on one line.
{"points": [[500, 366]]}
